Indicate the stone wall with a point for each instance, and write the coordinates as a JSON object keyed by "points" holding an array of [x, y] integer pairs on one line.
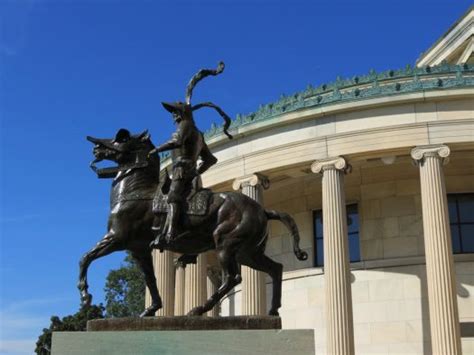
{"points": [[390, 306], [389, 284], [389, 204]]}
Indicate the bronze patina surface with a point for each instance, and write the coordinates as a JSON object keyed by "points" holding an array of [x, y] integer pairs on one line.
{"points": [[232, 224]]}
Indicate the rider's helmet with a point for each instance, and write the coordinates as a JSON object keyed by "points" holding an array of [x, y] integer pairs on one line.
{"points": [[180, 110], [184, 110]]}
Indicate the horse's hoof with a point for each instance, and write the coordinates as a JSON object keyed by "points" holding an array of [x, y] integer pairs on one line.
{"points": [[196, 311], [150, 311], [273, 312], [147, 313]]}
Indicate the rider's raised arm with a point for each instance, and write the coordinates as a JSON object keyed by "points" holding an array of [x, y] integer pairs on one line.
{"points": [[176, 140], [173, 143]]}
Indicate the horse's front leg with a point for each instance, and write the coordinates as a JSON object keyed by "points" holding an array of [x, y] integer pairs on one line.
{"points": [[145, 262], [107, 245]]}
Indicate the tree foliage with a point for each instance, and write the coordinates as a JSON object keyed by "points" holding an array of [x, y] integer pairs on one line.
{"points": [[125, 291], [71, 323], [124, 296]]}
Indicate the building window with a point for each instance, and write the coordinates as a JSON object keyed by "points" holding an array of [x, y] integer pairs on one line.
{"points": [[461, 218], [352, 231]]}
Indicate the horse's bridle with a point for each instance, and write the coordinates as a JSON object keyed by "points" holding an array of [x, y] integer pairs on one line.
{"points": [[111, 172]]}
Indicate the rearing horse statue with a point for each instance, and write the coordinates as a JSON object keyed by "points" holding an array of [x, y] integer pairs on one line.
{"points": [[234, 225]]}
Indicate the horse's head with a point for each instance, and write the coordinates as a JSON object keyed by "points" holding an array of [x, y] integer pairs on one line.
{"points": [[126, 150]]}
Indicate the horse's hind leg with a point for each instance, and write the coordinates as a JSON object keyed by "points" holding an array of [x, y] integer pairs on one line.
{"points": [[145, 262], [107, 245], [231, 279], [259, 261]]}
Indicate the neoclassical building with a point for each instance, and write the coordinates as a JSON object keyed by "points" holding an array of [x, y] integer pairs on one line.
{"points": [[378, 172]]}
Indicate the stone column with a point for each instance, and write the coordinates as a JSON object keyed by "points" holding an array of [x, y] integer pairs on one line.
{"points": [[213, 282], [147, 298], [254, 293], [340, 327], [196, 285], [164, 273], [179, 290], [165, 277], [444, 316]]}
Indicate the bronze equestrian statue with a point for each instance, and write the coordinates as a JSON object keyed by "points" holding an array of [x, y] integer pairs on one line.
{"points": [[232, 224]]}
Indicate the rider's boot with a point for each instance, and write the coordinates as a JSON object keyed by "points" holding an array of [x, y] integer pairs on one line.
{"points": [[174, 212], [159, 237]]}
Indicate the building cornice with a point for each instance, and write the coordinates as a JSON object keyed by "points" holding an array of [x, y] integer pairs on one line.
{"points": [[392, 83]]}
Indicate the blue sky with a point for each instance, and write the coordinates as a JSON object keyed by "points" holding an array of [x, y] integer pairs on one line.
{"points": [[74, 68]]}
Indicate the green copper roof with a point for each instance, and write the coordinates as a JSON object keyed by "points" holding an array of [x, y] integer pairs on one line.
{"points": [[373, 85]]}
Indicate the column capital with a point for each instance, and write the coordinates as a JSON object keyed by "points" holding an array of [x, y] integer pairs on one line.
{"points": [[337, 163], [440, 151], [251, 180]]}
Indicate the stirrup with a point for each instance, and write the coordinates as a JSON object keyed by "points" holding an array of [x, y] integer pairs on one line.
{"points": [[158, 243]]}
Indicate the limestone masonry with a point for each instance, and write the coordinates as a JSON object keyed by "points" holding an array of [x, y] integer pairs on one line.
{"points": [[378, 172]]}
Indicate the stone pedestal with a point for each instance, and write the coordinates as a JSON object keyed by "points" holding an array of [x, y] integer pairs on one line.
{"points": [[179, 290], [205, 342], [183, 323], [196, 285], [184, 336], [254, 294], [340, 328], [444, 316]]}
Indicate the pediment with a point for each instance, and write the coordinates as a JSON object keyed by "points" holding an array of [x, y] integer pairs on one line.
{"points": [[456, 46]]}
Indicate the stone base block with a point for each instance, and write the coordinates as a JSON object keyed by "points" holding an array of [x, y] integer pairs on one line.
{"points": [[182, 342], [184, 323]]}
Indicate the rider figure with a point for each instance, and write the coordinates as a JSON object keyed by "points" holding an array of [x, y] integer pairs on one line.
{"points": [[187, 145]]}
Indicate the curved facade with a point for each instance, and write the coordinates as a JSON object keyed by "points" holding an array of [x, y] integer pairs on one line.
{"points": [[378, 172]]}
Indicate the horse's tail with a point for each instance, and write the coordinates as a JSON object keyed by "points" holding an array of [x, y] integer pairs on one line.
{"points": [[289, 222]]}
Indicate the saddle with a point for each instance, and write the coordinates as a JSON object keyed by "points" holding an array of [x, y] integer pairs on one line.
{"points": [[197, 204]]}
